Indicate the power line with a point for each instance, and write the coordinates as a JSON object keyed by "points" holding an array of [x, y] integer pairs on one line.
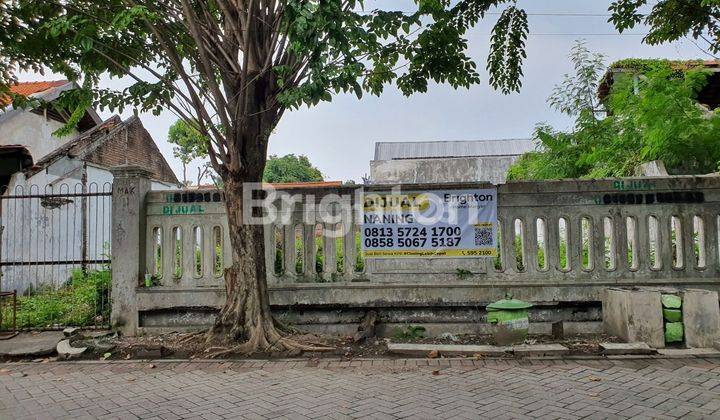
{"points": [[552, 14], [558, 14], [585, 34]]}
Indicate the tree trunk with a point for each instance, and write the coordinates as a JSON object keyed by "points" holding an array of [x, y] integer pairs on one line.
{"points": [[245, 322], [246, 315]]}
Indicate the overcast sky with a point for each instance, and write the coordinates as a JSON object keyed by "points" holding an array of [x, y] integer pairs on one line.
{"points": [[339, 137]]}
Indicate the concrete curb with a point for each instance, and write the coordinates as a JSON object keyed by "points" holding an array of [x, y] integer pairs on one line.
{"points": [[526, 350], [339, 360]]}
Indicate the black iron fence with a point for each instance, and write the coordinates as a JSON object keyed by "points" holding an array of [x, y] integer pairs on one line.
{"points": [[55, 252]]}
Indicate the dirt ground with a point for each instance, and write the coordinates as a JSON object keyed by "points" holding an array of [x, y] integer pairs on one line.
{"points": [[183, 345], [106, 345]]}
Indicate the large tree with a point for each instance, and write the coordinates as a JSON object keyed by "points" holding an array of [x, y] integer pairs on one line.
{"points": [[233, 67]]}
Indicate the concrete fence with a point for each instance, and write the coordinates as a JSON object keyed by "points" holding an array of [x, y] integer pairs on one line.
{"points": [[561, 244]]}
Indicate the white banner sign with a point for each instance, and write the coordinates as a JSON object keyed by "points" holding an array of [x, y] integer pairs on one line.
{"points": [[431, 224]]}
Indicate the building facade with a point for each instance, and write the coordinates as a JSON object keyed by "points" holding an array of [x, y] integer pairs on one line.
{"points": [[446, 161], [53, 214]]}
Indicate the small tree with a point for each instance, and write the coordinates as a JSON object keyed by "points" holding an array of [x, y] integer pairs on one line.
{"points": [[577, 93], [290, 168], [651, 117], [189, 145]]}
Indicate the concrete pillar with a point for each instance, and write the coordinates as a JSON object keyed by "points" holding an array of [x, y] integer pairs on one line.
{"points": [[701, 317], [130, 186], [652, 168], [635, 315]]}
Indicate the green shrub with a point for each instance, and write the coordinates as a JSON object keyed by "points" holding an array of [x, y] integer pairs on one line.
{"points": [[520, 264], [654, 116], [411, 332], [177, 271], [83, 301], [319, 256], [219, 266]]}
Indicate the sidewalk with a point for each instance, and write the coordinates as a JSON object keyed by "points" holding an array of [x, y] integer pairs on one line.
{"points": [[402, 388]]}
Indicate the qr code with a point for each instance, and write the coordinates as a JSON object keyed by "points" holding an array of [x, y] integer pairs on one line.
{"points": [[483, 236]]}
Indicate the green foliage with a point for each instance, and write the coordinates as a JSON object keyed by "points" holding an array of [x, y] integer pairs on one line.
{"points": [[577, 92], [462, 274], [290, 168], [645, 65], [664, 121], [359, 265], [562, 253], [346, 48], [189, 143], [218, 267], [83, 301], [507, 50], [319, 255], [649, 118], [178, 258], [518, 247], [198, 262], [411, 332], [670, 20], [359, 257]]}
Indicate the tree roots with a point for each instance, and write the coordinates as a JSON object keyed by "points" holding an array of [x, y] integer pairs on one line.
{"points": [[271, 342]]}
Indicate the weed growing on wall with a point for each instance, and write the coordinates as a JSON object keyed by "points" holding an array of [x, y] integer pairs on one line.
{"points": [[410, 332]]}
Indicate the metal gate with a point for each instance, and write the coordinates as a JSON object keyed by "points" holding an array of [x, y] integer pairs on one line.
{"points": [[55, 252]]}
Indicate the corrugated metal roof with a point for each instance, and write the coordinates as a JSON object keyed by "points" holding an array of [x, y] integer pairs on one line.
{"points": [[440, 149]]}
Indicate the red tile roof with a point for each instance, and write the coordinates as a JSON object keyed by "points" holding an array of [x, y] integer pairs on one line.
{"points": [[31, 88], [283, 185], [319, 184]]}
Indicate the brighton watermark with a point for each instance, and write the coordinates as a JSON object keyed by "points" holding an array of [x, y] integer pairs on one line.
{"points": [[271, 206]]}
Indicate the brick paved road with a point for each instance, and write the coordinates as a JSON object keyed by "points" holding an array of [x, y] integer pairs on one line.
{"points": [[375, 389]]}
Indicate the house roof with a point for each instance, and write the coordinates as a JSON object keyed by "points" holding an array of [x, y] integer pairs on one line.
{"points": [[76, 146], [32, 88], [449, 149], [316, 184], [282, 185], [112, 143], [48, 91]]}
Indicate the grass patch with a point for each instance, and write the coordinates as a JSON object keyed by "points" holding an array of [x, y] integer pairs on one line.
{"points": [[83, 301]]}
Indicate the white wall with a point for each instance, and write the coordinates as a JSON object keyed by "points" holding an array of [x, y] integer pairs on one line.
{"points": [[34, 132], [163, 186], [465, 169]]}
